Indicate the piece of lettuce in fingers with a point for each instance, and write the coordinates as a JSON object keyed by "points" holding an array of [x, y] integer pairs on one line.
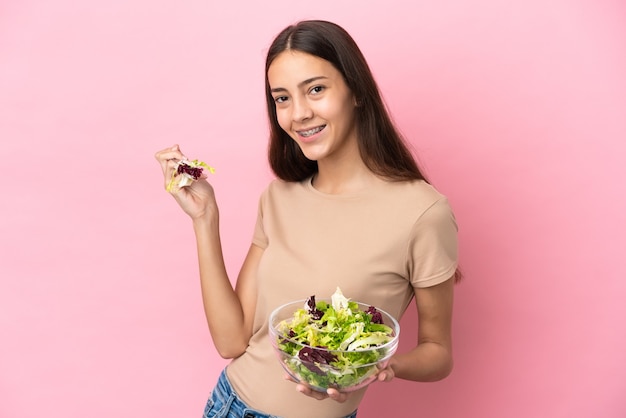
{"points": [[187, 172]]}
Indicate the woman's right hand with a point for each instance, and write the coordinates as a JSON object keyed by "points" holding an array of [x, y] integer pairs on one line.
{"points": [[197, 199]]}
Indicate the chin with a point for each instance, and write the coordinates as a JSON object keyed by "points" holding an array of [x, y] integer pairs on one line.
{"points": [[312, 154]]}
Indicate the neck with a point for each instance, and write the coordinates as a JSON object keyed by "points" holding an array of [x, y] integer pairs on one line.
{"points": [[343, 177]]}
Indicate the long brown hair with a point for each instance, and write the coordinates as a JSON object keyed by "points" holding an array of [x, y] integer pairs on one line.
{"points": [[382, 148]]}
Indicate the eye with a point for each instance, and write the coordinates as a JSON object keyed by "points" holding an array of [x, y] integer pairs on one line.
{"points": [[317, 89], [280, 99]]}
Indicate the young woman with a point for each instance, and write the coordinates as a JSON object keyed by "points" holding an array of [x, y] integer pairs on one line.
{"points": [[350, 209]]}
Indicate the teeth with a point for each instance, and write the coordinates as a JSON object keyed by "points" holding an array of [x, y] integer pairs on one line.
{"points": [[311, 131]]}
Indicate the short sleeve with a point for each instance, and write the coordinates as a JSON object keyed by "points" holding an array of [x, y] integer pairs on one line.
{"points": [[432, 256], [259, 237]]}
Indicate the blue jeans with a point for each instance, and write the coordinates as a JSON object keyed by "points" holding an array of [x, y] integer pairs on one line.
{"points": [[225, 403]]}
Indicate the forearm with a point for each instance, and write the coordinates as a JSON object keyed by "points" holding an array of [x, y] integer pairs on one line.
{"points": [[428, 362], [222, 306]]}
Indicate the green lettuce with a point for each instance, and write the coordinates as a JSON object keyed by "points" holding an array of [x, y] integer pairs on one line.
{"points": [[314, 333]]}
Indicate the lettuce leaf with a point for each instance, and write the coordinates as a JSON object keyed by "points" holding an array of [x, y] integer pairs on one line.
{"points": [[186, 173], [319, 328]]}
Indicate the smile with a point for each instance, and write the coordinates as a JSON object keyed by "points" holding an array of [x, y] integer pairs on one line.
{"points": [[311, 131]]}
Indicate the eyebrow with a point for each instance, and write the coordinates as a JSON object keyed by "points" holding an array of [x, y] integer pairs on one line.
{"points": [[301, 84]]}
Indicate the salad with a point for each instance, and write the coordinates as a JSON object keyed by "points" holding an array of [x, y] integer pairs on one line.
{"points": [[187, 172], [338, 344]]}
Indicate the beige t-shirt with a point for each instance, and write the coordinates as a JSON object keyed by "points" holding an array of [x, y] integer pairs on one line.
{"points": [[376, 246]]}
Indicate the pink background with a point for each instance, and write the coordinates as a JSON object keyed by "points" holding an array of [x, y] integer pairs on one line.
{"points": [[516, 108]]}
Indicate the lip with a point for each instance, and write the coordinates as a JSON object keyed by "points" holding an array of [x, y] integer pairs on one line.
{"points": [[313, 137]]}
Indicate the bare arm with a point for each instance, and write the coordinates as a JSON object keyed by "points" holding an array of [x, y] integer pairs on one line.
{"points": [[229, 311], [431, 359]]}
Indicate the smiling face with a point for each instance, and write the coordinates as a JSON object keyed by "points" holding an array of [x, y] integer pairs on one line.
{"points": [[313, 105]]}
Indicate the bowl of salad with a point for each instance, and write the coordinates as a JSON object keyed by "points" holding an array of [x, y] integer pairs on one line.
{"points": [[335, 343]]}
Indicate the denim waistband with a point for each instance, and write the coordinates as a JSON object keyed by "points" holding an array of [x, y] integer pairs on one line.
{"points": [[225, 403]]}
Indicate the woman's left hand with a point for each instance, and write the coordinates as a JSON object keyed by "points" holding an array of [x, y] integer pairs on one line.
{"points": [[385, 375]]}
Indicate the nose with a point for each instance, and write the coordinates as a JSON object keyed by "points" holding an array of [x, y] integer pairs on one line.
{"points": [[301, 110]]}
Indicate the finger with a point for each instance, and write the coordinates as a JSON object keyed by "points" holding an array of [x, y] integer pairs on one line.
{"points": [[167, 155], [385, 376], [169, 159], [167, 152], [335, 395], [310, 392]]}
